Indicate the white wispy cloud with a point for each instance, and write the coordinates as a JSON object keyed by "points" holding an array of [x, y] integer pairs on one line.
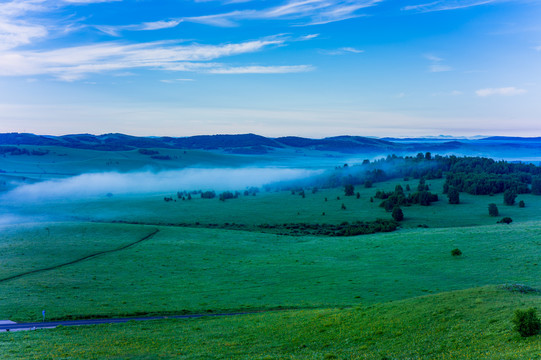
{"points": [[342, 51], [22, 22], [308, 12], [89, 1], [439, 68], [504, 91], [74, 63], [437, 65], [313, 36], [262, 69], [146, 26], [443, 5], [15, 28]]}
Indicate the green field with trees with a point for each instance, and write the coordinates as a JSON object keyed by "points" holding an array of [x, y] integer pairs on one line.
{"points": [[421, 257]]}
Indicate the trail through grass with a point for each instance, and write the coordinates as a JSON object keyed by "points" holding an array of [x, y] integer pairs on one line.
{"points": [[199, 270]]}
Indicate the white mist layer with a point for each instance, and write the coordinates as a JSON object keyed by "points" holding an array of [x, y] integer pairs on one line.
{"points": [[99, 184]]}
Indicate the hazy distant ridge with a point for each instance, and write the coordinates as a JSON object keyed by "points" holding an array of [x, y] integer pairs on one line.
{"points": [[256, 144]]}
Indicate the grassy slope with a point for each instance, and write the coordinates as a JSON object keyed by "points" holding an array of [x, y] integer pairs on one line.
{"points": [[65, 161], [200, 269], [470, 324]]}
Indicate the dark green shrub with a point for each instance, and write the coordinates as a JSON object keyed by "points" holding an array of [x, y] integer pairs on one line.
{"points": [[456, 252], [505, 220], [397, 214], [208, 195], [509, 197], [521, 204], [526, 322], [493, 210], [453, 195]]}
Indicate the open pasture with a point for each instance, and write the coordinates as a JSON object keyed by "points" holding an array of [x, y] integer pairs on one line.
{"points": [[469, 324], [198, 270]]}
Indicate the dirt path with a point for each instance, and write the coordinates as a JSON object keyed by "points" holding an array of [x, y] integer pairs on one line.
{"points": [[123, 247]]}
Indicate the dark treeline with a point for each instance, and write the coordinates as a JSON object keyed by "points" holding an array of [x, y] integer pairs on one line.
{"points": [[482, 176], [398, 198], [474, 175]]}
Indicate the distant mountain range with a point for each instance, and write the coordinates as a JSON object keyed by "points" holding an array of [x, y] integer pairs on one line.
{"points": [[256, 144]]}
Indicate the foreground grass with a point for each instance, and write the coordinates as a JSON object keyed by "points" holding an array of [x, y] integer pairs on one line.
{"points": [[199, 270], [468, 324]]}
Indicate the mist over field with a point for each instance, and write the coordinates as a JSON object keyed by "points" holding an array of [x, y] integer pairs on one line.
{"points": [[147, 182]]}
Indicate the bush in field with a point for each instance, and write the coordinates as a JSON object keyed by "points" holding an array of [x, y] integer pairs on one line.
{"points": [[521, 204], [397, 214], [208, 195], [493, 210], [349, 190], [509, 197], [505, 220], [453, 195], [456, 252], [228, 195], [526, 322]]}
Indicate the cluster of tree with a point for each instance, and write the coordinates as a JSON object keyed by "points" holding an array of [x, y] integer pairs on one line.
{"points": [[161, 157], [474, 175], [251, 191], [483, 176], [393, 166], [14, 150], [398, 197], [211, 194], [343, 229], [185, 195], [148, 152], [229, 195]]}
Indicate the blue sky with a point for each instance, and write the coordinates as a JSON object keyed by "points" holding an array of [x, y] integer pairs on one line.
{"points": [[312, 68]]}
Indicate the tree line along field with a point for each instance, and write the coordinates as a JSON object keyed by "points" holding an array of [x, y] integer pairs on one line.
{"points": [[391, 295], [325, 206]]}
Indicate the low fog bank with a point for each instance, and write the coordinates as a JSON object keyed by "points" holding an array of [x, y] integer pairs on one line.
{"points": [[104, 184]]}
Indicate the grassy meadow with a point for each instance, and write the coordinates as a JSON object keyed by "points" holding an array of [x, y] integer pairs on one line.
{"points": [[398, 295], [467, 324]]}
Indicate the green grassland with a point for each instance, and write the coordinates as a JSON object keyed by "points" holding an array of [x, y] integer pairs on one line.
{"points": [[199, 270], [469, 324], [399, 295]]}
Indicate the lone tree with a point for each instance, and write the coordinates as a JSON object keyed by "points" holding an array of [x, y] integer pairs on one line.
{"points": [[521, 204], [349, 190], [493, 210], [526, 322], [397, 214], [509, 197], [453, 195]]}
